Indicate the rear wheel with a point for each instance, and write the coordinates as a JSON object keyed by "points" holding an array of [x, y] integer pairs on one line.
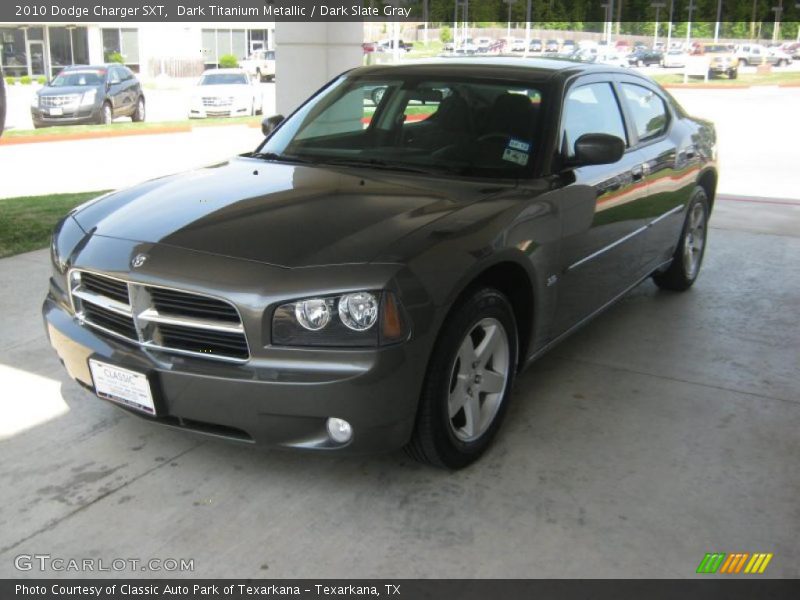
{"points": [[688, 257], [468, 383], [733, 73]]}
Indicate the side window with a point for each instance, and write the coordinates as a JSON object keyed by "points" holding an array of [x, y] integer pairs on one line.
{"points": [[647, 109], [113, 76], [591, 108]]}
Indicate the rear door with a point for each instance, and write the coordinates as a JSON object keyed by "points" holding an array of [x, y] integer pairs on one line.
{"points": [[600, 209], [669, 168]]}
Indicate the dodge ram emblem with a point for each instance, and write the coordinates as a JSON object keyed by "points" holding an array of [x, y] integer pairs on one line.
{"points": [[138, 260]]}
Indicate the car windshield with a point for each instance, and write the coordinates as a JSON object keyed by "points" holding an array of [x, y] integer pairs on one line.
{"points": [[79, 78], [223, 79], [458, 125]]}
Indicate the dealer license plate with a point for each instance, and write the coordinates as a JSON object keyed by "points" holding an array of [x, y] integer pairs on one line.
{"points": [[125, 387], [56, 112]]}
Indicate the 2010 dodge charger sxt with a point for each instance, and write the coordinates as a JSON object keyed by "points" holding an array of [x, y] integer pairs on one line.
{"points": [[374, 275]]}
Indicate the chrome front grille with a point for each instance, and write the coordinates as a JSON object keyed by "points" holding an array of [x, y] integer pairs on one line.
{"points": [[58, 101], [159, 318]]}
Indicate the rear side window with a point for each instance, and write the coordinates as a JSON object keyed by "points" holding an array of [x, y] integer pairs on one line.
{"points": [[647, 109], [591, 108]]}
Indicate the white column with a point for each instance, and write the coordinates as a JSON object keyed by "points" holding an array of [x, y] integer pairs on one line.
{"points": [[308, 55], [94, 37]]}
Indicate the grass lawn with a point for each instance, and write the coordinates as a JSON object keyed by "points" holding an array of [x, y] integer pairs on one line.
{"points": [[130, 125], [27, 222], [420, 50], [773, 78]]}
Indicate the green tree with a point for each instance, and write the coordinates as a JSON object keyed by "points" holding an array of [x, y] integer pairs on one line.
{"points": [[228, 61]]}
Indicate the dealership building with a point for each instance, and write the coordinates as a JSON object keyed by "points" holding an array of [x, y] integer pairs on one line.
{"points": [[42, 49]]}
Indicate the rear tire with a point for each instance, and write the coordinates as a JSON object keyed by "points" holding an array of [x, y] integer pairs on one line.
{"points": [[468, 382], [733, 74], [688, 256]]}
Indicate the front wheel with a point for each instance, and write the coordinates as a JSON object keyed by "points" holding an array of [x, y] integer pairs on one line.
{"points": [[138, 114], [733, 74], [106, 114], [688, 257], [468, 382]]}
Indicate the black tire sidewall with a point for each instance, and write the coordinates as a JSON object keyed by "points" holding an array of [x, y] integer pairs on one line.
{"points": [[487, 302]]}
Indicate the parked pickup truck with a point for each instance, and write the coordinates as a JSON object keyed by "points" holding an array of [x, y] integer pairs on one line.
{"points": [[260, 64], [756, 54]]}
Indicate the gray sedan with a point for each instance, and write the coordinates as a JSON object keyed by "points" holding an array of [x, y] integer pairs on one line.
{"points": [[374, 277]]}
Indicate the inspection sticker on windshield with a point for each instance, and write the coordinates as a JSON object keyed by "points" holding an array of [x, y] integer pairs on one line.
{"points": [[517, 151], [122, 386]]}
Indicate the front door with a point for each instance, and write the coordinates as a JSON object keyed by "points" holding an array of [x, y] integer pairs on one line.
{"points": [[36, 59], [599, 210]]}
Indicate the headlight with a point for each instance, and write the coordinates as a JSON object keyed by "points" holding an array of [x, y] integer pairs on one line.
{"points": [[361, 318], [89, 97]]}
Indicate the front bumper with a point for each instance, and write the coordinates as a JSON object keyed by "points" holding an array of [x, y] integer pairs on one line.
{"points": [[77, 116], [280, 401], [203, 112]]}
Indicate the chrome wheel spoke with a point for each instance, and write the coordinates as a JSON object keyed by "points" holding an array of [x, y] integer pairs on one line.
{"points": [[488, 345], [492, 383], [457, 398], [472, 414]]}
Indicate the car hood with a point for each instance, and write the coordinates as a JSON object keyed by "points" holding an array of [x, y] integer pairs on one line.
{"points": [[280, 214]]}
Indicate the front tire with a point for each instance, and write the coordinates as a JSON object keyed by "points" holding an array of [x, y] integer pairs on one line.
{"points": [[688, 257], [139, 113], [468, 383], [106, 114]]}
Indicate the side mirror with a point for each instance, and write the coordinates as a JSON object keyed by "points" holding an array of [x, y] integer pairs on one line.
{"points": [[597, 149], [269, 124]]}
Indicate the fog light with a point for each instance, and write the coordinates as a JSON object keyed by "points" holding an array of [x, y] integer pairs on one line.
{"points": [[339, 430]]}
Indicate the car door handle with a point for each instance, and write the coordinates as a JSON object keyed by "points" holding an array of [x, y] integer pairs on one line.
{"points": [[637, 173], [689, 154]]}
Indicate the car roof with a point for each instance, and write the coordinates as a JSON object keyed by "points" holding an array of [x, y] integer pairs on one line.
{"points": [[488, 66], [84, 67], [236, 71]]}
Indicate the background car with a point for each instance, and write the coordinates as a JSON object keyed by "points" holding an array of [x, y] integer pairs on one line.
{"points": [[536, 45], [673, 59], [551, 46], [610, 57], [2, 102], [721, 61], [260, 64], [225, 93], [757, 54], [388, 46], [642, 57], [89, 94]]}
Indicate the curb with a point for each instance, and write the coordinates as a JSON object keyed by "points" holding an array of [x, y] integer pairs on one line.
{"points": [[92, 135]]}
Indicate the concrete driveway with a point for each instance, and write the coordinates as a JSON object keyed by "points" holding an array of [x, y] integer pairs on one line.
{"points": [[664, 430]]}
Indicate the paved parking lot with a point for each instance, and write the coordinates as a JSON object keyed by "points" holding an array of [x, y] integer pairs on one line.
{"points": [[664, 430]]}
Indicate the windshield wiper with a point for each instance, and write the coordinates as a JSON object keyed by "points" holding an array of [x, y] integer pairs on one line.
{"points": [[278, 157], [377, 163]]}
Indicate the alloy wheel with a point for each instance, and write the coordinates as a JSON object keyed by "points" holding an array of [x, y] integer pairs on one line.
{"points": [[478, 379], [694, 241]]}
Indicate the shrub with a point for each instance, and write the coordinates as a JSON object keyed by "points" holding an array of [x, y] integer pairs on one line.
{"points": [[228, 61], [446, 35], [25, 80], [10, 80], [41, 80], [115, 57]]}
